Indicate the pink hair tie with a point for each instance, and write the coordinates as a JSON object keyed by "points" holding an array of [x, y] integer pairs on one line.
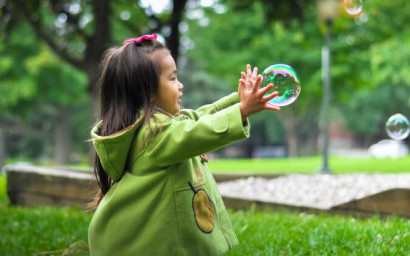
{"points": [[139, 39]]}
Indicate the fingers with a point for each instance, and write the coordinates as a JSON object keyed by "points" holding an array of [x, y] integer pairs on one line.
{"points": [[244, 77], [271, 107], [265, 89], [270, 96], [248, 72], [251, 74], [257, 83], [255, 72], [242, 84]]}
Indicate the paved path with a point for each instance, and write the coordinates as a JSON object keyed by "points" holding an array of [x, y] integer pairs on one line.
{"points": [[321, 191]]}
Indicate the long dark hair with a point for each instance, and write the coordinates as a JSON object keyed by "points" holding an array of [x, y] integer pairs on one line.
{"points": [[128, 84]]}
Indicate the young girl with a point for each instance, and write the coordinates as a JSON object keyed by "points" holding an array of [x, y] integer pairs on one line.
{"points": [[157, 195]]}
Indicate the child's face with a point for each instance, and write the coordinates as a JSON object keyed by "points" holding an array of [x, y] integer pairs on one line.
{"points": [[170, 89]]}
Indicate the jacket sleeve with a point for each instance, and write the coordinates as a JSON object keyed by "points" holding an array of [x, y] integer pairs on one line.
{"points": [[182, 138], [218, 105]]}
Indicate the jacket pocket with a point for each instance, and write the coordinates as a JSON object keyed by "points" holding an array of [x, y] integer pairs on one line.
{"points": [[195, 238]]}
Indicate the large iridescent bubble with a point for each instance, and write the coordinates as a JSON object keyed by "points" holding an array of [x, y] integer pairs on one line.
{"points": [[353, 7], [397, 127], [285, 81]]}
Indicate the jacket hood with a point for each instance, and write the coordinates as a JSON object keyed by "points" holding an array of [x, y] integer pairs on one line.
{"points": [[113, 150]]}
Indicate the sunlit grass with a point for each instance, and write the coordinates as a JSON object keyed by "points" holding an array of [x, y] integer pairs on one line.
{"points": [[337, 164], [311, 165], [3, 191]]}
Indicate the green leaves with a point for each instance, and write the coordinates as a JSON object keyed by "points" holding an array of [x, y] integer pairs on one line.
{"points": [[56, 80], [369, 53], [16, 85], [390, 60]]}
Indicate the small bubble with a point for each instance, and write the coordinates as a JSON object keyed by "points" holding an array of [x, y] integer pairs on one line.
{"points": [[353, 7], [125, 15], [397, 127]]}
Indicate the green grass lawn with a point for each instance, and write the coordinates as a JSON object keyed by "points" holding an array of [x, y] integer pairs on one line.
{"points": [[35, 231], [311, 165], [267, 233], [52, 230]]}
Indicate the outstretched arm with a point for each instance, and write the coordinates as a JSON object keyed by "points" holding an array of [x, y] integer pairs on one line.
{"points": [[218, 105], [182, 137], [227, 101]]}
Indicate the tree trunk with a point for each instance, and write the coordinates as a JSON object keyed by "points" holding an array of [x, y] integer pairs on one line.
{"points": [[61, 135], [94, 110], [293, 146], [302, 132], [173, 39], [291, 121]]}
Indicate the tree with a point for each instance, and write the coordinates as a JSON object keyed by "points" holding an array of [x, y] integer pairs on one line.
{"points": [[380, 55], [17, 88], [31, 76], [61, 86], [80, 31], [225, 39], [228, 42]]}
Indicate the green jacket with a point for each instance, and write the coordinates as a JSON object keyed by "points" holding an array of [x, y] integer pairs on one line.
{"points": [[165, 200]]}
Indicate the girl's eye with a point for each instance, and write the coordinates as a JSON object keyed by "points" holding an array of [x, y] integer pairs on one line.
{"points": [[173, 79]]}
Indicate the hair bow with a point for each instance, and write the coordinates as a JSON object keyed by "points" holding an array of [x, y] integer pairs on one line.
{"points": [[139, 39]]}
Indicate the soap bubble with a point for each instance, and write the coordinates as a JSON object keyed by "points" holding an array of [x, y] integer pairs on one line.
{"points": [[353, 7], [397, 127], [285, 81]]}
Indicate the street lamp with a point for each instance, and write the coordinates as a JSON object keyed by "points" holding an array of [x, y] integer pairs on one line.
{"points": [[327, 11]]}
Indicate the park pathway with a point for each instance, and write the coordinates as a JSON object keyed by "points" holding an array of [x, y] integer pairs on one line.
{"points": [[319, 191]]}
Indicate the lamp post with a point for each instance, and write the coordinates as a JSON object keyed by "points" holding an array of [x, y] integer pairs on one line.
{"points": [[327, 11]]}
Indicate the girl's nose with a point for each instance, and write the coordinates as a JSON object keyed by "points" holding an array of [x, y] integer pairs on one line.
{"points": [[181, 86]]}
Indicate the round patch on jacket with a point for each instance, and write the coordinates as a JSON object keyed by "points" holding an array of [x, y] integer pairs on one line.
{"points": [[204, 210]]}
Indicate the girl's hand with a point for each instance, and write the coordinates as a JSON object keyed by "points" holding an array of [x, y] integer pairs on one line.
{"points": [[249, 77], [254, 100]]}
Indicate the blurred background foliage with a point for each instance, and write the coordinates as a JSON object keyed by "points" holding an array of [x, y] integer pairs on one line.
{"points": [[50, 50]]}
